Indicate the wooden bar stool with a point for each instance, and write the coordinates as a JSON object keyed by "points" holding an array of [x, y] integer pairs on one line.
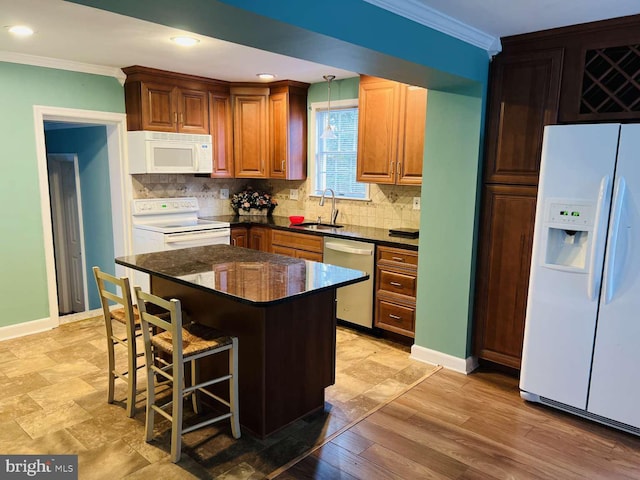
{"points": [[184, 344], [126, 314]]}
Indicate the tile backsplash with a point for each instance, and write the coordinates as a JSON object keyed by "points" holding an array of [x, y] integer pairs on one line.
{"points": [[390, 205]]}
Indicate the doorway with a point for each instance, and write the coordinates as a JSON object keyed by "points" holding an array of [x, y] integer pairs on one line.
{"points": [[68, 232], [101, 203]]}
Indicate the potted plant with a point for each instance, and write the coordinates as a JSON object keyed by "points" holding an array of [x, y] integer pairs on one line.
{"points": [[253, 202]]}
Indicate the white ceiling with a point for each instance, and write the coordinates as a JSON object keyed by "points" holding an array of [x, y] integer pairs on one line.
{"points": [[89, 36], [501, 18]]}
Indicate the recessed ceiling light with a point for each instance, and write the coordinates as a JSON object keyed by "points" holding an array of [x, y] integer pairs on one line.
{"points": [[21, 30], [185, 41], [265, 76]]}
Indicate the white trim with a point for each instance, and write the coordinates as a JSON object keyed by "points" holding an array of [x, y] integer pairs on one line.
{"points": [[27, 328], [420, 13], [426, 355], [121, 189], [83, 252], [311, 145], [60, 64]]}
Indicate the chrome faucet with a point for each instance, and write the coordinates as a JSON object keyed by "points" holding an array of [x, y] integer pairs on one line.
{"points": [[334, 212]]}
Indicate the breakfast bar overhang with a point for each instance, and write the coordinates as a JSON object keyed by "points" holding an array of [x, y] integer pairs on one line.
{"points": [[282, 310]]}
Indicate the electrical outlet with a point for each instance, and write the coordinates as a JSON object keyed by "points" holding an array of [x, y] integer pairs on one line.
{"points": [[293, 194], [416, 203], [224, 194]]}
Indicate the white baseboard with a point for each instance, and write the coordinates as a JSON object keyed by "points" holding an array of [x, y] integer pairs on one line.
{"points": [[426, 355], [27, 328], [44, 324]]}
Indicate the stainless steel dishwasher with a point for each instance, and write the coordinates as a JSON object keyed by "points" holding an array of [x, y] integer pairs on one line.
{"points": [[355, 302]]}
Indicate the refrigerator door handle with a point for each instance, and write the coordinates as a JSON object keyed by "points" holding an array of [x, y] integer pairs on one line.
{"points": [[597, 250], [612, 241]]}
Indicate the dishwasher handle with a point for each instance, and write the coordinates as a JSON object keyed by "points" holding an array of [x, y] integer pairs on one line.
{"points": [[338, 247]]}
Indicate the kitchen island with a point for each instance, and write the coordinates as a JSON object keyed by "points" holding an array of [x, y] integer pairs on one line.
{"points": [[282, 310]]}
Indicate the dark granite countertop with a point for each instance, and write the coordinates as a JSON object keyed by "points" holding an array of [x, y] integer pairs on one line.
{"points": [[379, 236], [246, 275]]}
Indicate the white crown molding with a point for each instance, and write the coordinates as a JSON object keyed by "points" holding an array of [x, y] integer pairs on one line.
{"points": [[427, 16], [59, 64]]}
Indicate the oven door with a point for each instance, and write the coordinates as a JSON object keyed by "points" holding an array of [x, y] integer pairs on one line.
{"points": [[173, 241]]}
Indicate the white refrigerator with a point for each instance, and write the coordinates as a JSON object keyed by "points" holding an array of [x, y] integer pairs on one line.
{"points": [[582, 334]]}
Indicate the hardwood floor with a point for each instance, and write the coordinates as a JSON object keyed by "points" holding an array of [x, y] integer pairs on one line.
{"points": [[453, 426]]}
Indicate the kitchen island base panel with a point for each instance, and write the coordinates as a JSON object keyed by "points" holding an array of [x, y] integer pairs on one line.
{"points": [[286, 352]]}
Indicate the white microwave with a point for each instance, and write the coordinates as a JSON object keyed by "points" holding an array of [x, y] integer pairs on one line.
{"points": [[160, 152]]}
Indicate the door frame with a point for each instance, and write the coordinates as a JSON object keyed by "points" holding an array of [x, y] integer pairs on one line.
{"points": [[73, 158], [120, 186]]}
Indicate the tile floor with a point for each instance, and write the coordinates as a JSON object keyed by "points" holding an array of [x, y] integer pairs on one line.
{"points": [[53, 400]]}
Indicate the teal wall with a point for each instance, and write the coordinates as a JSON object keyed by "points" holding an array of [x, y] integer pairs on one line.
{"points": [[447, 223], [23, 285], [344, 89], [90, 144]]}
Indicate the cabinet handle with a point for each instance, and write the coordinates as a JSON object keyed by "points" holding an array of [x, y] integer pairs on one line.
{"points": [[283, 165], [175, 117], [182, 119], [397, 259], [399, 169], [395, 317], [396, 284], [391, 167], [233, 242]]}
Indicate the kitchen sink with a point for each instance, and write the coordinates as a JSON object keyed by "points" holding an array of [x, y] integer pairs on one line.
{"points": [[317, 226]]}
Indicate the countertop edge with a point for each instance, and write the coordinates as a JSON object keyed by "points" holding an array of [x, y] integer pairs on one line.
{"points": [[348, 232]]}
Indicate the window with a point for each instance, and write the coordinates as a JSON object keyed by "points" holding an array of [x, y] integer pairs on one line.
{"points": [[334, 160]]}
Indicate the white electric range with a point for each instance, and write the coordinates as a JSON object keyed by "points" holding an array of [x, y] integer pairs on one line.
{"points": [[161, 224]]}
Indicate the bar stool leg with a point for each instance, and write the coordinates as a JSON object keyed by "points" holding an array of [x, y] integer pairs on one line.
{"points": [[151, 400], [233, 389], [176, 411], [195, 376], [132, 376], [112, 367]]}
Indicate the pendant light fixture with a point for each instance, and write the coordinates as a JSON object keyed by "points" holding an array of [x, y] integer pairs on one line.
{"points": [[328, 133]]}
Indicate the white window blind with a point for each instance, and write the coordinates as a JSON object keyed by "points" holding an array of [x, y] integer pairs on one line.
{"points": [[335, 159]]}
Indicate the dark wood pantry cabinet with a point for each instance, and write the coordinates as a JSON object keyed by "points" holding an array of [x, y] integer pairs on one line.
{"points": [[583, 73]]}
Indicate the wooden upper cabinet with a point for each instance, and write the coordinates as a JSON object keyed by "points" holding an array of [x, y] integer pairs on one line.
{"points": [[411, 139], [221, 129], [165, 101], [192, 111], [288, 130], [158, 107], [524, 97], [250, 128], [391, 123], [379, 111]]}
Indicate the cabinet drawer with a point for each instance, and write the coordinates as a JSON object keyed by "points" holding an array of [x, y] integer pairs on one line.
{"points": [[397, 283], [395, 318], [299, 241], [397, 256]]}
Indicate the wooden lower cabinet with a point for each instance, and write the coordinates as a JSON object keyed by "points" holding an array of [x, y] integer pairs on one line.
{"points": [[298, 245], [502, 278], [240, 236], [260, 238], [396, 283]]}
